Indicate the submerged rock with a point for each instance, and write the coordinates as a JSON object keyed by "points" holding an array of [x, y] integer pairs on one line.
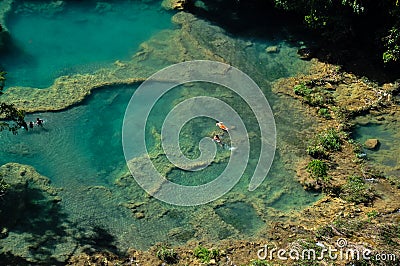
{"points": [[173, 4], [305, 53], [272, 49], [371, 144]]}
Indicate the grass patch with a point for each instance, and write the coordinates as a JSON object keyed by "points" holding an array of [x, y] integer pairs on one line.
{"points": [[259, 263]]}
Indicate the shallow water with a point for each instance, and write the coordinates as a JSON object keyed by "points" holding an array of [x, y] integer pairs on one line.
{"points": [[81, 38], [80, 149], [386, 155]]}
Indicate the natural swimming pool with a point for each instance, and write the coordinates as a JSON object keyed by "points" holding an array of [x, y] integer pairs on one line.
{"points": [[80, 150], [75, 37]]}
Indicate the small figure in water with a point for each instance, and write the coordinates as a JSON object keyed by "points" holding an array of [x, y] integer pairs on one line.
{"points": [[221, 126], [31, 124], [39, 122], [218, 140], [24, 125]]}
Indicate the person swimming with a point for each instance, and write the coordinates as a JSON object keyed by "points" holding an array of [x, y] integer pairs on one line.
{"points": [[31, 124], [221, 126], [39, 122], [24, 125], [218, 140]]}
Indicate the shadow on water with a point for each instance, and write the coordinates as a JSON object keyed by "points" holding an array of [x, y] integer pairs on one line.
{"points": [[37, 217], [351, 45]]}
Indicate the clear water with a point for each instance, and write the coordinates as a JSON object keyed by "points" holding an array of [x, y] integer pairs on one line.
{"points": [[386, 156], [82, 39], [80, 149]]}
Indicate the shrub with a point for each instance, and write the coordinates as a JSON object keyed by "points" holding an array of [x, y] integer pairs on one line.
{"points": [[324, 112], [323, 143], [302, 90], [330, 140], [318, 170], [357, 191], [317, 151], [167, 255], [204, 254]]}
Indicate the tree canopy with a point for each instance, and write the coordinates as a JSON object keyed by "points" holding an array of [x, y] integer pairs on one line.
{"points": [[10, 117], [340, 18]]}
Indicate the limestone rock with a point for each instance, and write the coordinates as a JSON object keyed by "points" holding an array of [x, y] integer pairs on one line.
{"points": [[272, 49], [173, 4], [139, 215], [371, 144], [305, 53]]}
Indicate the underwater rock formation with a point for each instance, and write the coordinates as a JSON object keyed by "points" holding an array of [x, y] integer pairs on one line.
{"points": [[174, 4]]}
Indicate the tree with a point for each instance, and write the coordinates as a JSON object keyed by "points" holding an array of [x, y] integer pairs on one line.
{"points": [[337, 20], [10, 117]]}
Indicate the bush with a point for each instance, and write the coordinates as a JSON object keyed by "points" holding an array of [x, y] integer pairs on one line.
{"points": [[318, 169], [167, 255], [357, 191], [302, 90], [323, 143], [204, 254], [330, 140], [324, 112], [317, 151]]}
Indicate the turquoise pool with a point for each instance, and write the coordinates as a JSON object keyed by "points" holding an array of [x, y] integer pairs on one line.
{"points": [[80, 148]]}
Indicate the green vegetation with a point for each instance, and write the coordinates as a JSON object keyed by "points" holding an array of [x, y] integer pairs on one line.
{"points": [[324, 112], [339, 22], [390, 234], [3, 186], [204, 254], [348, 227], [259, 263], [392, 45], [302, 90], [323, 143], [324, 232], [167, 255], [357, 191], [314, 96], [317, 168], [10, 117], [372, 214], [330, 140]]}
